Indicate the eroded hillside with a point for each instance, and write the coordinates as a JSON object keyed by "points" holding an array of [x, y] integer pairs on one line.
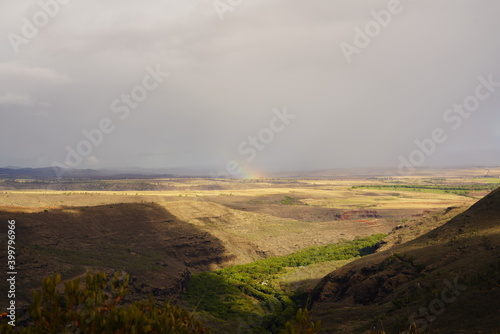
{"points": [[445, 281]]}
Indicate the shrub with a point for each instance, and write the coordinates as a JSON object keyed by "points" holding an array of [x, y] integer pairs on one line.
{"points": [[97, 309], [302, 324]]}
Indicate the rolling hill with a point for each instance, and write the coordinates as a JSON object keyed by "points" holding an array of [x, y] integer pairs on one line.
{"points": [[143, 239]]}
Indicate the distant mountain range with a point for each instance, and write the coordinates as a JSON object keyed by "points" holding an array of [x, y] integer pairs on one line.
{"points": [[14, 172], [48, 172]]}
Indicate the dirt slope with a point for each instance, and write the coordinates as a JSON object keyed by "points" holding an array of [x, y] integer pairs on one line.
{"points": [[445, 281], [221, 222]]}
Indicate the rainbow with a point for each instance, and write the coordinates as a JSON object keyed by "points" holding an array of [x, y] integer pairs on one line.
{"points": [[249, 173]]}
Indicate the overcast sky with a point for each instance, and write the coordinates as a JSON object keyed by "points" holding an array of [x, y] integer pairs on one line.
{"points": [[233, 66]]}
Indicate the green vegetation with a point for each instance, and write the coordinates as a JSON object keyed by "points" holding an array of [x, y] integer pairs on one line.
{"points": [[251, 290], [96, 309], [462, 190], [488, 179], [289, 200]]}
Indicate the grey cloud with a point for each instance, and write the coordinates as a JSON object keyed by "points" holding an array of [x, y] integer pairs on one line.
{"points": [[226, 78]]}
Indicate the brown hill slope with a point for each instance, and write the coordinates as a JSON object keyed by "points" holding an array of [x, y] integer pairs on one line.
{"points": [[419, 226], [445, 281], [154, 246]]}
